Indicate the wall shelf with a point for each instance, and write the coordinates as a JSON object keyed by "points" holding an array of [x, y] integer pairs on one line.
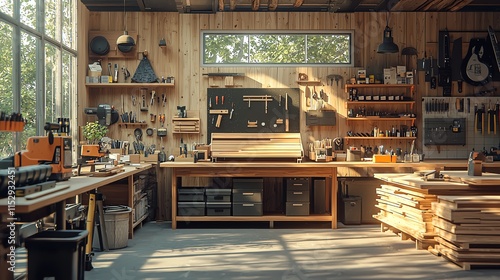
{"points": [[129, 85], [405, 86], [381, 138], [381, 119], [133, 124], [309, 83], [392, 114], [410, 102]]}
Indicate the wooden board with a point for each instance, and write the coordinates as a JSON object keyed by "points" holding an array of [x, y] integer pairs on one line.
{"points": [[485, 180], [253, 145]]}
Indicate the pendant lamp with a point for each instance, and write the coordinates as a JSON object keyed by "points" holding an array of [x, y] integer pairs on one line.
{"points": [[388, 45], [125, 40]]}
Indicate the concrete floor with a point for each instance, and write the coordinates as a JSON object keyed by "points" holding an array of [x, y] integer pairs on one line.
{"points": [[354, 252]]}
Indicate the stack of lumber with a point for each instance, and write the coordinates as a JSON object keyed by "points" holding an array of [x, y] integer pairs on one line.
{"points": [[407, 211], [405, 205], [468, 229], [186, 125], [256, 145]]}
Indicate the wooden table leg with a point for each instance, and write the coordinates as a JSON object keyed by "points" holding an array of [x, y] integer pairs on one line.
{"points": [[334, 189], [174, 199]]}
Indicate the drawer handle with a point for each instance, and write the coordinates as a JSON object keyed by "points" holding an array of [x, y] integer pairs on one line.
{"points": [[248, 204], [297, 192], [298, 205], [248, 193], [297, 184]]}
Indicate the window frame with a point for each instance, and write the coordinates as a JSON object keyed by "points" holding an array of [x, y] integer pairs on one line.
{"points": [[43, 39], [278, 32]]}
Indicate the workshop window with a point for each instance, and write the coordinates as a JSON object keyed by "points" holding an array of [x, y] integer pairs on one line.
{"points": [[308, 48], [6, 97], [38, 66]]}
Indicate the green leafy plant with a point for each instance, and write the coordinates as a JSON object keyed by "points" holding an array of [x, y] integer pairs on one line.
{"points": [[93, 132]]}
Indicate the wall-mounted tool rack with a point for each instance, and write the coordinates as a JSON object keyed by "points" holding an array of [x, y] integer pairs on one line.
{"points": [[252, 110]]}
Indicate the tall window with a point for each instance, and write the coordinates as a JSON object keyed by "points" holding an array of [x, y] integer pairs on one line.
{"points": [[311, 48], [38, 65]]}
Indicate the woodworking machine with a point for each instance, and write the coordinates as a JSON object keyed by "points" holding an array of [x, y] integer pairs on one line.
{"points": [[49, 150]]}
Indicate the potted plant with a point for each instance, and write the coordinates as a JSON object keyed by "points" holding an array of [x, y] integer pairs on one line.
{"points": [[93, 132]]}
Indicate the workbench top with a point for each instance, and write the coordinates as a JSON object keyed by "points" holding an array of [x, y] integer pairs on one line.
{"points": [[70, 188], [430, 164]]}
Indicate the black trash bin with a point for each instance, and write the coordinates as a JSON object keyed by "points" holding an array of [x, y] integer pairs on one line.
{"points": [[59, 254]]}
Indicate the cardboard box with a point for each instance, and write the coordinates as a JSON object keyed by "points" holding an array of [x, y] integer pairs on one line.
{"points": [[91, 80], [95, 69], [390, 76], [135, 158], [116, 151], [401, 71], [149, 158]]}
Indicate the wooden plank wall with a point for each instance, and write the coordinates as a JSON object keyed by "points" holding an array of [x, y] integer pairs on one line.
{"points": [[181, 57]]}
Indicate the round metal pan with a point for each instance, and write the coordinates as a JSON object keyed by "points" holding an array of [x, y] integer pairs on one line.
{"points": [[125, 49], [99, 45]]}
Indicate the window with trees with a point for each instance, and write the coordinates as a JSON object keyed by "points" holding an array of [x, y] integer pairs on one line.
{"points": [[312, 48], [38, 65]]}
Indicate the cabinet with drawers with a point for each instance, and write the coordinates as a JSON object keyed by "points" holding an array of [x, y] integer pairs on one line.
{"points": [[247, 196], [218, 202], [297, 197]]}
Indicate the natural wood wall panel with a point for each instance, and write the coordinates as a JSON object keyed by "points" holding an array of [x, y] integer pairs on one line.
{"points": [[181, 57]]}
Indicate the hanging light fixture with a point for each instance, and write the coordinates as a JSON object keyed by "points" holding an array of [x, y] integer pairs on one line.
{"points": [[388, 45], [125, 40]]}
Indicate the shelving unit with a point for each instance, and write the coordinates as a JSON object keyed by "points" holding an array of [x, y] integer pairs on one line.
{"points": [[389, 107], [128, 85]]}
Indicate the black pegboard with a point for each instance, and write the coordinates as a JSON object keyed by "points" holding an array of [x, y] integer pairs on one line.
{"points": [[256, 112]]}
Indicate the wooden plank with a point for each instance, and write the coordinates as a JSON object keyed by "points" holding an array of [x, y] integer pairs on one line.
{"points": [[483, 239], [473, 229], [466, 247]]}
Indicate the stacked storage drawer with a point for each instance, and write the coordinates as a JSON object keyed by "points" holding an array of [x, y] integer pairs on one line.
{"points": [[191, 202], [247, 196], [218, 202], [297, 197]]}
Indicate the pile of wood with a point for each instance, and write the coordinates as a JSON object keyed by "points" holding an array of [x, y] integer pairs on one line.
{"points": [[468, 229], [186, 125], [256, 145], [408, 213]]}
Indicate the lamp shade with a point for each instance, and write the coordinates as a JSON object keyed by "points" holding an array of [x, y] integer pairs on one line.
{"points": [[125, 40], [388, 45]]}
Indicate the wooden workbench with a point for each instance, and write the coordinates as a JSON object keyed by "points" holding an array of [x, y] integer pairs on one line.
{"points": [[327, 170], [75, 186]]}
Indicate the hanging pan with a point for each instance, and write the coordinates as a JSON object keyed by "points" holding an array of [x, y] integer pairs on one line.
{"points": [[125, 49], [99, 45]]}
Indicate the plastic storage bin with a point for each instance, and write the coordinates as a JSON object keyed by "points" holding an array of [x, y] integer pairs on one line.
{"points": [[351, 210], [58, 255]]}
